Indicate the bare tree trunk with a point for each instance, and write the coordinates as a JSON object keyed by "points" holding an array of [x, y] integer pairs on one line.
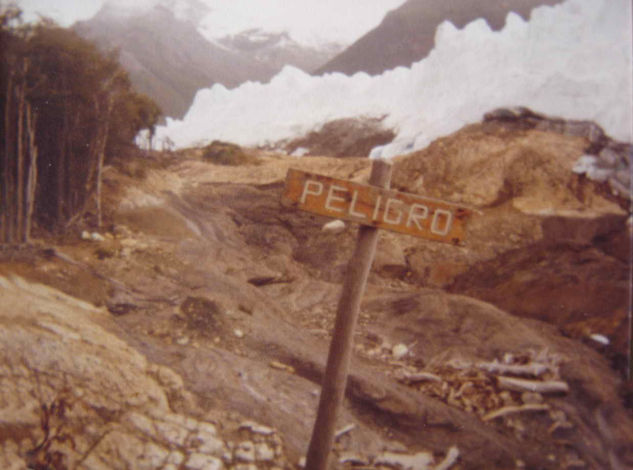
{"points": [[19, 183], [4, 203], [8, 212], [19, 162], [61, 170], [101, 144], [32, 177], [74, 186]]}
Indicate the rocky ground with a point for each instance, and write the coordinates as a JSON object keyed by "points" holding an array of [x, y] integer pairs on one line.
{"points": [[191, 331]]}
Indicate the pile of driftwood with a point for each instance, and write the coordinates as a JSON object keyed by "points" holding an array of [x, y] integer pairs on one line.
{"points": [[494, 389]]}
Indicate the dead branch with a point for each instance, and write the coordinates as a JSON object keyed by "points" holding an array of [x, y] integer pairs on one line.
{"points": [[412, 378], [509, 410], [451, 457], [524, 385], [344, 430], [534, 369]]}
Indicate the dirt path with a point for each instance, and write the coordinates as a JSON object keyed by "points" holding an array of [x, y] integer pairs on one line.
{"points": [[204, 274]]}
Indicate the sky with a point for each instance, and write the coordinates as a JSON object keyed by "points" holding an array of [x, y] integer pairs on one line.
{"points": [[308, 21], [64, 12]]}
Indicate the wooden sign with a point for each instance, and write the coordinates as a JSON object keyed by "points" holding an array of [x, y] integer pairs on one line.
{"points": [[376, 207], [336, 370]]}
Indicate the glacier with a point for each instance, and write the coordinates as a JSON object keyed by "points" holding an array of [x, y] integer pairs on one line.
{"points": [[572, 60]]}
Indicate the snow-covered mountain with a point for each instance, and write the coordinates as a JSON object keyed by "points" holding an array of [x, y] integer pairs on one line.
{"points": [[571, 60], [172, 48], [166, 57], [310, 23], [406, 34], [277, 49]]}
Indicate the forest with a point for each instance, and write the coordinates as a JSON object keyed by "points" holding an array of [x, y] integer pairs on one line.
{"points": [[67, 109]]}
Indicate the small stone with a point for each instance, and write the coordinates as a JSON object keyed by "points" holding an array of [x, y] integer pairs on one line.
{"points": [[199, 461], [183, 340], [175, 458], [264, 453], [245, 466], [85, 235], [245, 452], [335, 226], [97, 237], [238, 333], [172, 433], [206, 443], [352, 459], [598, 338], [399, 351], [257, 428]]}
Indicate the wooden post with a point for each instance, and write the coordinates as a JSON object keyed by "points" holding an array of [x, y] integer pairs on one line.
{"points": [[629, 374], [335, 378]]}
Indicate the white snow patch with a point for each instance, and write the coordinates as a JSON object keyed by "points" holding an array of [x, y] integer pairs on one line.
{"points": [[572, 60], [584, 164]]}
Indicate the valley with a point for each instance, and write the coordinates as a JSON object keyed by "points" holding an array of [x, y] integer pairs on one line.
{"points": [[191, 330]]}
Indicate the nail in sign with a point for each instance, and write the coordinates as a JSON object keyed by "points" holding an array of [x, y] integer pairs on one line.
{"points": [[381, 208]]}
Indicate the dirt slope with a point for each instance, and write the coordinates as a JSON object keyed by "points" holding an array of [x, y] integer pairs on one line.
{"points": [[211, 306]]}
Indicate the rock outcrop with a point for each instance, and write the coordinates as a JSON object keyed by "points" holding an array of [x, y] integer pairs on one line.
{"points": [[75, 395], [351, 137], [192, 331], [605, 160]]}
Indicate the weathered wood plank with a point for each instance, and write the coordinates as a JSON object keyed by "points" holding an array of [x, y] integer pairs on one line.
{"points": [[376, 207]]}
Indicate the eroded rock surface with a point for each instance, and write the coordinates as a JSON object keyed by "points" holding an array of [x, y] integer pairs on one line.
{"points": [[193, 331], [74, 395]]}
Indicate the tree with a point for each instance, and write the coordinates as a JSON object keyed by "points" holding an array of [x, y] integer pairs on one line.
{"points": [[68, 108], [18, 165]]}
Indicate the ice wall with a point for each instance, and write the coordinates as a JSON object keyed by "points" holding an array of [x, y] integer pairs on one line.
{"points": [[572, 60]]}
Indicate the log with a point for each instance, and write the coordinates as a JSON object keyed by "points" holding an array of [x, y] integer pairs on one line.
{"points": [[509, 410], [524, 385], [417, 377], [534, 369]]}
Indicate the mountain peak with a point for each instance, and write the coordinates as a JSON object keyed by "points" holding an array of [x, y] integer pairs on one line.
{"points": [[407, 34], [184, 10]]}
